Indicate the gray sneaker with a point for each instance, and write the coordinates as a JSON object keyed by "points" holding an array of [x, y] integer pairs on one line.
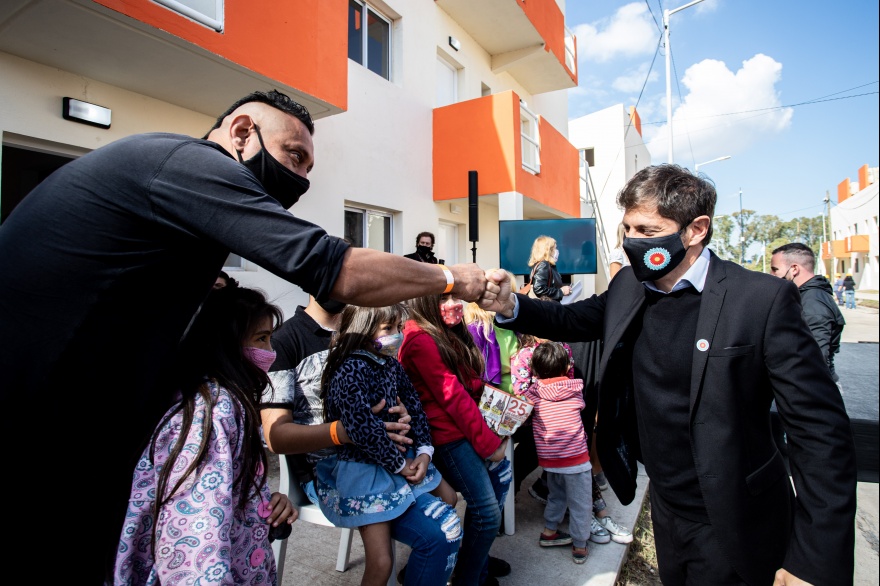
{"points": [[619, 533], [598, 533]]}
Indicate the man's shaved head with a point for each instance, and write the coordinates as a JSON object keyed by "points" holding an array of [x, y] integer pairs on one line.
{"points": [[253, 105]]}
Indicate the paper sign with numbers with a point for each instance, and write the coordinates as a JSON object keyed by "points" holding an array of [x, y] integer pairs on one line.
{"points": [[504, 412]]}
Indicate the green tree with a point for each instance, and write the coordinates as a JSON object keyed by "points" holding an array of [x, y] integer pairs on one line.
{"points": [[762, 235]]}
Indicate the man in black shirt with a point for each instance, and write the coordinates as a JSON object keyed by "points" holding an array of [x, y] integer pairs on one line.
{"points": [[695, 349], [104, 265], [425, 249]]}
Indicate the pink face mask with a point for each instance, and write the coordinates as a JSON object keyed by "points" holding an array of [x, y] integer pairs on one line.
{"points": [[452, 313], [262, 359]]}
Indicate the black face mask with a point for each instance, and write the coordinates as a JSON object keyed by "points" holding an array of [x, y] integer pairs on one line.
{"points": [[654, 258], [424, 250], [278, 181]]}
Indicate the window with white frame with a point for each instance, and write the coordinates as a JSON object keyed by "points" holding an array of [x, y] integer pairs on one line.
{"points": [[369, 38], [531, 147], [367, 228], [447, 83], [206, 12]]}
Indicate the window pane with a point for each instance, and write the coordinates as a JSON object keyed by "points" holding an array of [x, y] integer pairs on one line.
{"points": [[355, 32], [207, 12], [354, 227], [378, 36], [379, 230]]}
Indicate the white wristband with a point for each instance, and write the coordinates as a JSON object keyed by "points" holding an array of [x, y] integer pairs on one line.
{"points": [[450, 281]]}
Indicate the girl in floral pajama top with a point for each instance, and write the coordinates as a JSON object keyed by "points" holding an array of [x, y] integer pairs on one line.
{"points": [[200, 510]]}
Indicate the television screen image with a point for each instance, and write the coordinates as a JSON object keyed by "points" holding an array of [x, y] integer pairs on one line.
{"points": [[575, 239]]}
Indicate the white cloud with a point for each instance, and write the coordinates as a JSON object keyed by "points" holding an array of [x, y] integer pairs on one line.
{"points": [[718, 114], [632, 80], [706, 6], [629, 32]]}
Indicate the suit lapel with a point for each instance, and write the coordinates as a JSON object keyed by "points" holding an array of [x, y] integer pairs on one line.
{"points": [[711, 301], [621, 324]]}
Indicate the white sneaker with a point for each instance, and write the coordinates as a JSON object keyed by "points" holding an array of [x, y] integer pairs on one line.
{"points": [[619, 533], [598, 533]]}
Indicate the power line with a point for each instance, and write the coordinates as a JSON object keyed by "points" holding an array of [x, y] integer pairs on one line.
{"points": [[681, 100], [654, 17], [630, 122], [816, 101]]}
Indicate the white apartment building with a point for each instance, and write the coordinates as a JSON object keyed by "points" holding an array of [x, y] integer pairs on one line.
{"points": [[408, 97], [853, 244], [611, 150]]}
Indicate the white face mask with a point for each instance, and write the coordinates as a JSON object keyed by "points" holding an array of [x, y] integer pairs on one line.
{"points": [[555, 256], [388, 345]]}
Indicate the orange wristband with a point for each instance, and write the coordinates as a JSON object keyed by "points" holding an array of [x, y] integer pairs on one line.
{"points": [[450, 281], [333, 435]]}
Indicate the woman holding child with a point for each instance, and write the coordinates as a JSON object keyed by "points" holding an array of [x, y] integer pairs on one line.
{"points": [[445, 366]]}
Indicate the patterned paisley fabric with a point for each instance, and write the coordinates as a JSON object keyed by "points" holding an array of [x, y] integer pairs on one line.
{"points": [[201, 536]]}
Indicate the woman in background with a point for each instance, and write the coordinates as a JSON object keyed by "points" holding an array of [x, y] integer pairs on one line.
{"points": [[546, 280], [617, 259]]}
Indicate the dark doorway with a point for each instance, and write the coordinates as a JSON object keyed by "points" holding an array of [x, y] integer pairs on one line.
{"points": [[24, 169]]}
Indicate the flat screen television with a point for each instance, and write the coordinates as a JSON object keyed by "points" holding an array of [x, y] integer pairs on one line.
{"points": [[575, 239]]}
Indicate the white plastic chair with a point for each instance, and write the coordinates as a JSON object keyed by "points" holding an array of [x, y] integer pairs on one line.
{"points": [[310, 513], [509, 502]]}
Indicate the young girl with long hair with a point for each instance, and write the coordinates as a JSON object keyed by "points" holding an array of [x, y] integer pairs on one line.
{"points": [[370, 484], [446, 368], [496, 345], [200, 509]]}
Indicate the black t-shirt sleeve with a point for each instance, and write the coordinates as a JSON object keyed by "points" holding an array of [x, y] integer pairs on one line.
{"points": [[198, 188]]}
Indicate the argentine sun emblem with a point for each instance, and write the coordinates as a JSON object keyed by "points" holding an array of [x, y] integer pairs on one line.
{"points": [[657, 258]]}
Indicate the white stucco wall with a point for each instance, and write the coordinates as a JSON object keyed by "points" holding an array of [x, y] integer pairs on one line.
{"points": [[616, 159], [378, 154], [857, 215]]}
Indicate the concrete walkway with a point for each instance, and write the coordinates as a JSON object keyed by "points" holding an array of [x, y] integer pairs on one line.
{"points": [[311, 551], [863, 328]]}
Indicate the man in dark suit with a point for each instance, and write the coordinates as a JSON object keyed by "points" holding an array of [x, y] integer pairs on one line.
{"points": [[695, 349], [425, 249]]}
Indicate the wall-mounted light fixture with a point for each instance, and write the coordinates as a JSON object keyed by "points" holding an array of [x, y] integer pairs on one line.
{"points": [[86, 113], [453, 42]]}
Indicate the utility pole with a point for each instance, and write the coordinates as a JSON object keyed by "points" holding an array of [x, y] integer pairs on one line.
{"points": [[666, 15]]}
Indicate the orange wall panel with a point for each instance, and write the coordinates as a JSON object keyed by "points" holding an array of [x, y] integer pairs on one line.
{"points": [[864, 181], [838, 248], [303, 44], [858, 243], [477, 135], [826, 250], [549, 21], [557, 184], [636, 119], [843, 190]]}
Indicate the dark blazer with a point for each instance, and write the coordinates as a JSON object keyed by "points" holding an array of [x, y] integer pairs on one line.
{"points": [[430, 258], [759, 349]]}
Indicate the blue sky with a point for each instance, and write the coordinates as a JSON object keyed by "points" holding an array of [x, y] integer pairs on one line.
{"points": [[734, 56]]}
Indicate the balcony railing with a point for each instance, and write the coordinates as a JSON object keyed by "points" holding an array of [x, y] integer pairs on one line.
{"points": [[531, 145], [570, 54]]}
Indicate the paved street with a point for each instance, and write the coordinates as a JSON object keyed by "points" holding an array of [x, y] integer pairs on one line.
{"points": [[857, 365]]}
